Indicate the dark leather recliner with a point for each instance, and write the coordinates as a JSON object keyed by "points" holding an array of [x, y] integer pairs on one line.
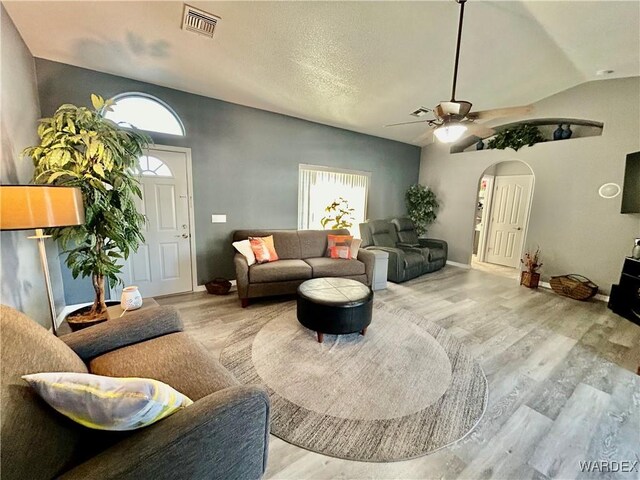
{"points": [[409, 256], [434, 251]]}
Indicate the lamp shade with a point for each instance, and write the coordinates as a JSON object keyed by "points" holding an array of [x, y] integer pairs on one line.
{"points": [[25, 207]]}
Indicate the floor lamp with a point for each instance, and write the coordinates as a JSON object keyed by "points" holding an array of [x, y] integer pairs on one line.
{"points": [[26, 207]]}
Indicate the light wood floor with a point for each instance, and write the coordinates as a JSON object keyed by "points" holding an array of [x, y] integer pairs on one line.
{"points": [[561, 383]]}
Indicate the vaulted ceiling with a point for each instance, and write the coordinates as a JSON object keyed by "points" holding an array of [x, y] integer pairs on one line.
{"points": [[354, 65]]}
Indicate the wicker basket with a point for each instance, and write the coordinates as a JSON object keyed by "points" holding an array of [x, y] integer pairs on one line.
{"points": [[218, 286], [574, 286]]}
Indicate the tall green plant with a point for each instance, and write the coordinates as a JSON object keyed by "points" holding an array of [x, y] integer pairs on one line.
{"points": [[79, 147], [339, 213], [422, 207]]}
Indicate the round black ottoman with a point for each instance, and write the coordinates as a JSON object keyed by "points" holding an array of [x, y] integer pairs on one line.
{"points": [[334, 305]]}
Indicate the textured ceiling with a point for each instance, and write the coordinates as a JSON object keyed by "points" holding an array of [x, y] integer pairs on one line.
{"points": [[355, 65]]}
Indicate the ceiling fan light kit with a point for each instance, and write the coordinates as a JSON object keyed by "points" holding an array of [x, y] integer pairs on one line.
{"points": [[454, 118], [450, 132]]}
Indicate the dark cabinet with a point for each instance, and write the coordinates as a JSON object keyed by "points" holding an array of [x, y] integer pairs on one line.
{"points": [[625, 296]]}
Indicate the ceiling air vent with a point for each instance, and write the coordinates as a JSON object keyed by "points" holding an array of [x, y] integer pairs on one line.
{"points": [[198, 21], [420, 112]]}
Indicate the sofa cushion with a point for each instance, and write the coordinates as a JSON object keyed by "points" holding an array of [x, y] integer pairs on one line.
{"points": [[330, 267], [36, 442], [313, 243], [279, 271], [286, 242], [175, 359]]}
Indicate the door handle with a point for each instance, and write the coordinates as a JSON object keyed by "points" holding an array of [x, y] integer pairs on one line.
{"points": [[185, 235], [519, 228]]}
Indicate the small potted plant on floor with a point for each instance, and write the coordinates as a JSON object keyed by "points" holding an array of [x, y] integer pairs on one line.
{"points": [[529, 277], [79, 147]]}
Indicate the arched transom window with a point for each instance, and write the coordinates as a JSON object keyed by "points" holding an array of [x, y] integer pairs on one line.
{"points": [[145, 112], [154, 167]]}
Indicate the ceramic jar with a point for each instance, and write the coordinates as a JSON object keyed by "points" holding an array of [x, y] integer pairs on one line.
{"points": [[130, 298]]}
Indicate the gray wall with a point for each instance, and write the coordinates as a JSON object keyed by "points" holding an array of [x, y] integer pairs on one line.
{"points": [[21, 277], [577, 230], [245, 161]]}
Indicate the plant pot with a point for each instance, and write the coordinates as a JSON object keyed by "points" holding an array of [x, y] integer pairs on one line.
{"points": [[79, 323], [529, 279]]}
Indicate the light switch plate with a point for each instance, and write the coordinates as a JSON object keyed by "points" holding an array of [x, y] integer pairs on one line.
{"points": [[217, 218]]}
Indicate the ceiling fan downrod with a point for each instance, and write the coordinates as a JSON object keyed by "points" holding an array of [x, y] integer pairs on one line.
{"points": [[455, 67]]}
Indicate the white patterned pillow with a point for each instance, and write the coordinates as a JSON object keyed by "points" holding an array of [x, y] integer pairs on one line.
{"points": [[108, 403], [244, 247]]}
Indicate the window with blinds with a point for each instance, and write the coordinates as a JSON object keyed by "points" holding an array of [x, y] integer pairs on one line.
{"points": [[320, 186]]}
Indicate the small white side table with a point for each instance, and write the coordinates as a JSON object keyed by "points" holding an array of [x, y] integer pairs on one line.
{"points": [[380, 270]]}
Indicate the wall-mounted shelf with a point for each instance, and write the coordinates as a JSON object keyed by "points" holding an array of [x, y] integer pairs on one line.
{"points": [[581, 128]]}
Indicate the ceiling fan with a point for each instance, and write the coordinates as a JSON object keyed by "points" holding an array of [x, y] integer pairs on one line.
{"points": [[454, 118]]}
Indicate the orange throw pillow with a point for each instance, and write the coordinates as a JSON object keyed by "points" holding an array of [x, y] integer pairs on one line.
{"points": [[339, 246], [263, 249]]}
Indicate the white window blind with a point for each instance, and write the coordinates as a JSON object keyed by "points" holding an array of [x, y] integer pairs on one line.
{"points": [[320, 186]]}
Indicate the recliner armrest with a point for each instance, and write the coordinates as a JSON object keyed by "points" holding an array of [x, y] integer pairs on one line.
{"points": [[404, 245], [435, 243], [224, 435], [135, 327]]}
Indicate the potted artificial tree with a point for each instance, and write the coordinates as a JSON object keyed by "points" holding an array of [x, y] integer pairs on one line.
{"points": [[422, 207], [79, 147]]}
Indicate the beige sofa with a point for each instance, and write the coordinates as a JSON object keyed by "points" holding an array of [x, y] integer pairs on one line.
{"points": [[302, 256]]}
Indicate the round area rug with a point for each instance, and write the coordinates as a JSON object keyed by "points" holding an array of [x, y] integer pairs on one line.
{"points": [[405, 389]]}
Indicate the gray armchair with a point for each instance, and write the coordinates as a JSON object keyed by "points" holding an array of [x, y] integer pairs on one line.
{"points": [[409, 256], [223, 435]]}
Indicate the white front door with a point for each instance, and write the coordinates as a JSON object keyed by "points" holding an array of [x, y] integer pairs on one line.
{"points": [[163, 264], [509, 216]]}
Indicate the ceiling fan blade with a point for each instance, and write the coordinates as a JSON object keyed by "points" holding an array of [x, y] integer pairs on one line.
{"points": [[500, 112], [425, 138], [478, 130], [408, 123]]}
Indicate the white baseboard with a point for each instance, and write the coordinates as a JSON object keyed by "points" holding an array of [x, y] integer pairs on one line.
{"points": [[459, 265]]}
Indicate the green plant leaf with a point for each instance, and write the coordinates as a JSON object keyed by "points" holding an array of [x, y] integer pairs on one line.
{"points": [[97, 101]]}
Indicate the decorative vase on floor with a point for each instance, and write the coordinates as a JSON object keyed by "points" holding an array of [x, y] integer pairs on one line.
{"points": [[557, 133], [567, 132], [529, 279], [480, 144], [130, 298]]}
